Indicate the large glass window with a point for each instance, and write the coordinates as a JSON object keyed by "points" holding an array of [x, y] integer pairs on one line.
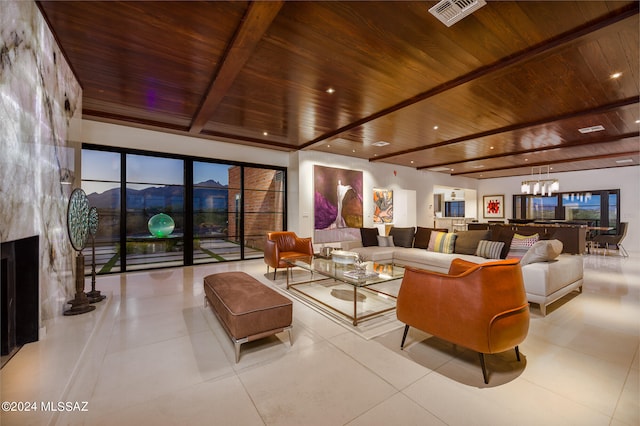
{"points": [[263, 207], [178, 210], [454, 208], [211, 239], [594, 208], [101, 182], [155, 211], [583, 206], [613, 210]]}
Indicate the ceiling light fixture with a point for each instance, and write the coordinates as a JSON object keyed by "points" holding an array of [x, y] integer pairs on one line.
{"points": [[626, 160], [381, 143], [331, 90], [265, 133], [435, 127], [543, 184], [616, 75]]}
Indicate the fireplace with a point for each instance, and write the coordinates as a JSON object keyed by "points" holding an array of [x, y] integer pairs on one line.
{"points": [[19, 296]]}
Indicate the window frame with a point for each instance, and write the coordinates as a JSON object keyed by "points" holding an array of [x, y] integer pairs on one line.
{"points": [[188, 235]]}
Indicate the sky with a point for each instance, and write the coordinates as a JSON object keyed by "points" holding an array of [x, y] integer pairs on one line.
{"points": [[144, 169]]}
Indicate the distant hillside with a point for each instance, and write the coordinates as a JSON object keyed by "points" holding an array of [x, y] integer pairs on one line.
{"points": [[207, 195]]}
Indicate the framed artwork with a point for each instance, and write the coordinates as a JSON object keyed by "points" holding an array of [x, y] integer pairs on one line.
{"points": [[493, 206], [382, 206], [337, 203]]}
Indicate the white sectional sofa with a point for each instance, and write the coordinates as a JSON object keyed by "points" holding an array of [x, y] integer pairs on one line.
{"points": [[545, 281]]}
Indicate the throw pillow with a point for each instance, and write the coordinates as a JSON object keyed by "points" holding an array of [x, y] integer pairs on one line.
{"points": [[467, 241], [369, 236], [504, 236], [520, 244], [542, 251], [442, 242], [385, 241], [423, 235], [489, 249], [403, 237]]}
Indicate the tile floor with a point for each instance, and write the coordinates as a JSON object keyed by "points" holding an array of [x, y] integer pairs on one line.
{"points": [[152, 354]]}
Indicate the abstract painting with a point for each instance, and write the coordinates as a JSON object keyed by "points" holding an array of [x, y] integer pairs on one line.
{"points": [[337, 201], [493, 206], [382, 206]]}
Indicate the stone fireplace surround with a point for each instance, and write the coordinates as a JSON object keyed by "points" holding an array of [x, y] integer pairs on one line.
{"points": [[40, 110]]}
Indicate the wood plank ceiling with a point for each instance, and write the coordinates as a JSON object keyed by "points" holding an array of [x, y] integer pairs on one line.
{"points": [[501, 91]]}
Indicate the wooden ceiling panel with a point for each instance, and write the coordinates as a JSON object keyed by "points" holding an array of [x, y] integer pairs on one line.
{"points": [[518, 76], [152, 57]]}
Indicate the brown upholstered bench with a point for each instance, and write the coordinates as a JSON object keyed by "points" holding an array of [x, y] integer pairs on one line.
{"points": [[247, 309]]}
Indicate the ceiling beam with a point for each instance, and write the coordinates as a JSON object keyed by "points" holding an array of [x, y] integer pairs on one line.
{"points": [[553, 43], [253, 25], [519, 126], [544, 163], [571, 144]]}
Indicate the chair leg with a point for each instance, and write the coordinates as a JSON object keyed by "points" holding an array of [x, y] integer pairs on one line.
{"points": [[274, 272], [404, 336], [484, 368], [518, 354], [623, 251]]}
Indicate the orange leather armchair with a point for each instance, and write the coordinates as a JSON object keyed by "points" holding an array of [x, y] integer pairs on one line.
{"points": [[283, 245], [482, 307]]}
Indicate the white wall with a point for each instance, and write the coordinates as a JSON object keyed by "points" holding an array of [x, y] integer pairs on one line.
{"points": [[114, 135], [408, 183], [627, 179]]}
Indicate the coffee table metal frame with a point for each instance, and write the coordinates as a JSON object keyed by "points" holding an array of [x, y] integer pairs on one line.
{"points": [[330, 270]]}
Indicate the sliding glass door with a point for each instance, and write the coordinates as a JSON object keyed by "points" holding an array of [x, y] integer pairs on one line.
{"points": [[159, 210]]}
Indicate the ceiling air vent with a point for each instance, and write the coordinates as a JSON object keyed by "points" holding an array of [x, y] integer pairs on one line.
{"points": [[591, 129], [451, 11]]}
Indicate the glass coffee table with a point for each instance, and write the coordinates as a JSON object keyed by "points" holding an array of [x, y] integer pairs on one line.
{"points": [[343, 288]]}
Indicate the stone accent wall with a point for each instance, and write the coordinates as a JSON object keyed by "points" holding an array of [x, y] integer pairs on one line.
{"points": [[40, 109]]}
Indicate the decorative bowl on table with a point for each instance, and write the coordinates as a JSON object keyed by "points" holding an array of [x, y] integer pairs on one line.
{"points": [[344, 257]]}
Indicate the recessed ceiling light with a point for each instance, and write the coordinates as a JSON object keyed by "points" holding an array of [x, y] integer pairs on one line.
{"points": [[411, 161], [637, 121], [265, 133], [451, 169], [381, 143], [626, 160], [328, 146], [616, 75], [490, 147], [435, 127], [439, 169], [591, 129], [331, 90], [353, 150], [479, 166], [526, 159]]}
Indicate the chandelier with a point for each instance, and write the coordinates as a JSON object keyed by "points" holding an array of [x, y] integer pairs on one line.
{"points": [[543, 185]]}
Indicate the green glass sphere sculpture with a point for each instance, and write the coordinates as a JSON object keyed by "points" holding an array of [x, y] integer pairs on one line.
{"points": [[161, 225]]}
